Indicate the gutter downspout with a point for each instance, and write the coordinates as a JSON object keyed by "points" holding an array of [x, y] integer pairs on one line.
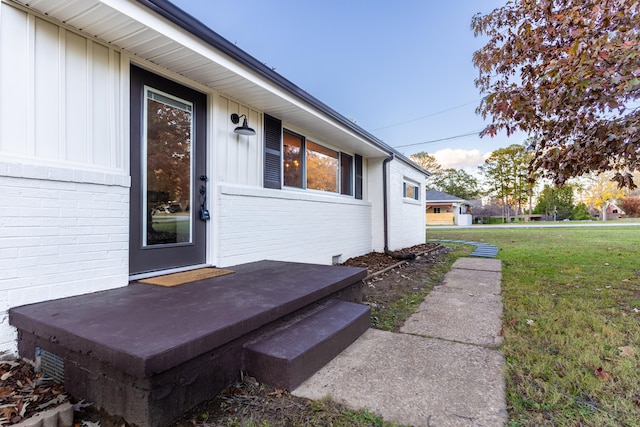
{"points": [[385, 203]]}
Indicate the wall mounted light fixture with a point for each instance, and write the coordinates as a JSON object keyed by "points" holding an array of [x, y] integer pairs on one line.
{"points": [[244, 129]]}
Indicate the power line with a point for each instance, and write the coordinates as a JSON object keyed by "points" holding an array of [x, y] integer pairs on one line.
{"points": [[428, 115], [440, 140]]}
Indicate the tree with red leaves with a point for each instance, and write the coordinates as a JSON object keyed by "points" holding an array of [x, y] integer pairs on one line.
{"points": [[567, 73]]}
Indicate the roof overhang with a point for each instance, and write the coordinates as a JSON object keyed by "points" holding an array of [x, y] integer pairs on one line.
{"points": [[161, 33]]}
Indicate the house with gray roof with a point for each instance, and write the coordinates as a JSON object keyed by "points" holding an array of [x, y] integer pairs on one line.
{"points": [[445, 209]]}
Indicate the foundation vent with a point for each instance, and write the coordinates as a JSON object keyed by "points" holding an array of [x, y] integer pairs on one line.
{"points": [[51, 365]]}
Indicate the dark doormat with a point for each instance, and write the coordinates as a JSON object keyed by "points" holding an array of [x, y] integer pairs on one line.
{"points": [[176, 279]]}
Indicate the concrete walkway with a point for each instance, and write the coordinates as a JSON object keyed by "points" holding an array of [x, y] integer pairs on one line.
{"points": [[442, 369]]}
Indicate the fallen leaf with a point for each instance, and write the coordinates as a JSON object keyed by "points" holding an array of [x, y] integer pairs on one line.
{"points": [[602, 374], [58, 400], [6, 376], [8, 412], [512, 322], [6, 392], [277, 392], [81, 405], [23, 409], [626, 351]]}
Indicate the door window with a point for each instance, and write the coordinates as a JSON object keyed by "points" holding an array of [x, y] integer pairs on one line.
{"points": [[169, 169]]}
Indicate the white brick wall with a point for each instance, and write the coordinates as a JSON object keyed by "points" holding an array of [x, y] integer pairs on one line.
{"points": [[406, 217], [63, 232], [374, 189], [304, 226]]}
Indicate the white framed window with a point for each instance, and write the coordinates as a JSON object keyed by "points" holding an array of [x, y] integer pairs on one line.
{"points": [[410, 191]]}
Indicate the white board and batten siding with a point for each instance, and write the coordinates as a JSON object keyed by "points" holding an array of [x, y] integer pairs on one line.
{"points": [[236, 158], [61, 95], [64, 185]]}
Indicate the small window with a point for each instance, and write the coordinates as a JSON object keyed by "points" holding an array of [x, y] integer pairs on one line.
{"points": [[411, 191], [436, 210]]}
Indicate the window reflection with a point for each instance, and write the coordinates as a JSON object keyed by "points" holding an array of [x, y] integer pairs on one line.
{"points": [[293, 166], [168, 169], [322, 168]]}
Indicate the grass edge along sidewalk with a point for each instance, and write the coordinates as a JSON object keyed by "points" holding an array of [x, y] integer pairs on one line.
{"points": [[571, 322]]}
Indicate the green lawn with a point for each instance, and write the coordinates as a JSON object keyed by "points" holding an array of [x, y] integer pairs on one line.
{"points": [[571, 322]]}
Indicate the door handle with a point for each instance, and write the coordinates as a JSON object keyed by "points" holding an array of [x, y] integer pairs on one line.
{"points": [[204, 212]]}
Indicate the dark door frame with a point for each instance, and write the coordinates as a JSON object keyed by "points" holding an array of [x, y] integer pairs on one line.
{"points": [[155, 258]]}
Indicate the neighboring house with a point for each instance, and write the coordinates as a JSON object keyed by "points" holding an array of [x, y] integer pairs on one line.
{"points": [[135, 141], [445, 209], [613, 211]]}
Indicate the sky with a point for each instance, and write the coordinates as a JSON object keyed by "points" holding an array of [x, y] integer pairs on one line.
{"points": [[401, 69]]}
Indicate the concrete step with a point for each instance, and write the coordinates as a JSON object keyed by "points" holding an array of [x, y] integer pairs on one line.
{"points": [[288, 357]]}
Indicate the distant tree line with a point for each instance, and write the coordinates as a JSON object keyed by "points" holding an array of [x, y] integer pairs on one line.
{"points": [[505, 180]]}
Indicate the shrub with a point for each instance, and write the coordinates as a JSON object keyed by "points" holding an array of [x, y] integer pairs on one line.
{"points": [[581, 213], [631, 206]]}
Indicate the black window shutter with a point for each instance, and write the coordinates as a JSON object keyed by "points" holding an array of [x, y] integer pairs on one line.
{"points": [[358, 183], [272, 149]]}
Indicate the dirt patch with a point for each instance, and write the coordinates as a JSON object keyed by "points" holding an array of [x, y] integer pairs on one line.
{"points": [[249, 403], [386, 286]]}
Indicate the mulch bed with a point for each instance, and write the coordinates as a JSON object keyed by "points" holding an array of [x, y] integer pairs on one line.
{"points": [[378, 261]]}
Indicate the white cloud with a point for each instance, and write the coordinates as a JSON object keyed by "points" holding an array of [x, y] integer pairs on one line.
{"points": [[460, 159]]}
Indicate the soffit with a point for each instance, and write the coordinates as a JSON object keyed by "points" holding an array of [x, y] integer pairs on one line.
{"points": [[139, 31]]}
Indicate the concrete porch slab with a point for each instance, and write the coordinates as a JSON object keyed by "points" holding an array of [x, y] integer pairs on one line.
{"points": [[144, 329], [150, 353]]}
